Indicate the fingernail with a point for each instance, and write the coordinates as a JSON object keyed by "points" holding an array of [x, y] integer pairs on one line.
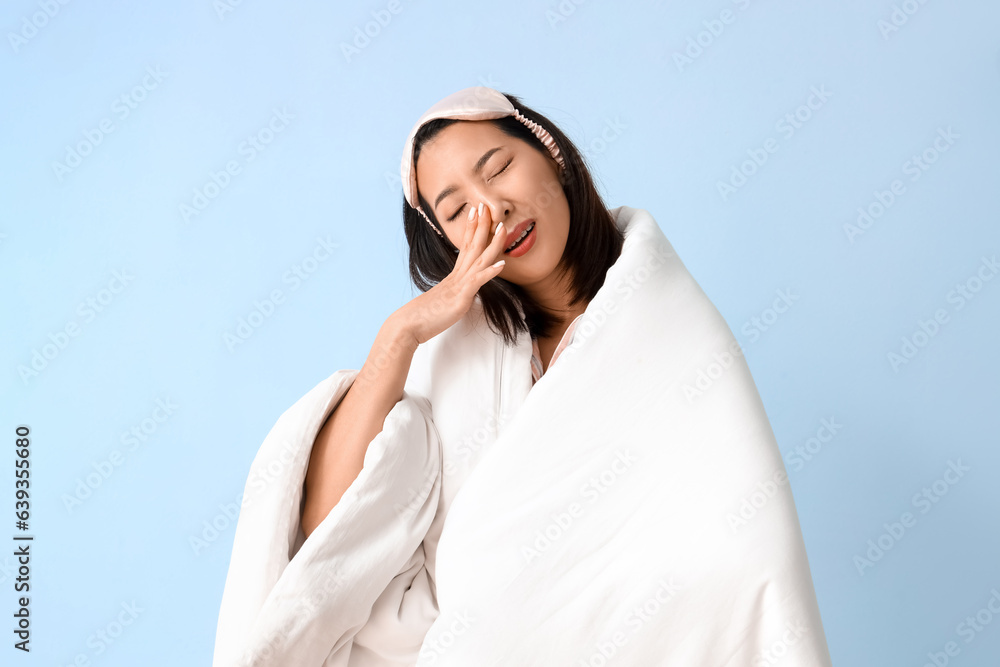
{"points": [[472, 213], [499, 225], [480, 208]]}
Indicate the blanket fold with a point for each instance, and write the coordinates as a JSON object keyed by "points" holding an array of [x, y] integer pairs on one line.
{"points": [[359, 585], [607, 523]]}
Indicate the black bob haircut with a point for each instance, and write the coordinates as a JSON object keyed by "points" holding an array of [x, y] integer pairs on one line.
{"points": [[593, 245]]}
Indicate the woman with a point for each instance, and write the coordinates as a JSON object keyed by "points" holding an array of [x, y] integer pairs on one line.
{"points": [[471, 169], [424, 511]]}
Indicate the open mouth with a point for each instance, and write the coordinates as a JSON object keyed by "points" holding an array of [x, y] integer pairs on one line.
{"points": [[520, 239]]}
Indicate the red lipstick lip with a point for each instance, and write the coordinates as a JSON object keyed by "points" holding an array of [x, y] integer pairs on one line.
{"points": [[517, 231]]}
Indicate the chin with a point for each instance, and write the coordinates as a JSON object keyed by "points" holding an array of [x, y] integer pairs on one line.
{"points": [[533, 270]]}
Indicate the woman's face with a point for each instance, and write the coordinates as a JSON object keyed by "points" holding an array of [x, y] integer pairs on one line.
{"points": [[516, 182]]}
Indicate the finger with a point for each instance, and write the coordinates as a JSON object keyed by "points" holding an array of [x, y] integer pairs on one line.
{"points": [[490, 272], [463, 251], [475, 249], [495, 248], [483, 229]]}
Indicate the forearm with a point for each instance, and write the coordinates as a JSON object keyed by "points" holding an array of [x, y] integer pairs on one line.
{"points": [[338, 453]]}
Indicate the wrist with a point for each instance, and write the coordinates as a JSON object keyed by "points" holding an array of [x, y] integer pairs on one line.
{"points": [[397, 333]]}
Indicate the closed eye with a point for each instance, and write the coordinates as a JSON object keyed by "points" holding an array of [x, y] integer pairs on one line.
{"points": [[504, 168], [462, 207]]}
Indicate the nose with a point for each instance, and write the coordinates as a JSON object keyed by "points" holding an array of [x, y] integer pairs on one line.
{"points": [[499, 211]]}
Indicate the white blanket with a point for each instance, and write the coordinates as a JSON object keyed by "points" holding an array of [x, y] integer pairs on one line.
{"points": [[612, 515]]}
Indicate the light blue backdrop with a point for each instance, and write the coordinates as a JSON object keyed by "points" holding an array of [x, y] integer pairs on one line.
{"points": [[882, 366]]}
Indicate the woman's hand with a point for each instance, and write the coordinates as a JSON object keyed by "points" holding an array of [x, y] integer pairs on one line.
{"points": [[444, 304]]}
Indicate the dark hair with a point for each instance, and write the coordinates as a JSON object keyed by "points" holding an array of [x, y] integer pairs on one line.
{"points": [[593, 245]]}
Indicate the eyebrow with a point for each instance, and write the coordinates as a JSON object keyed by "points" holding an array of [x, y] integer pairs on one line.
{"points": [[478, 167]]}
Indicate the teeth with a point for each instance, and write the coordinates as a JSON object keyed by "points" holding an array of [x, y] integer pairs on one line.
{"points": [[521, 237]]}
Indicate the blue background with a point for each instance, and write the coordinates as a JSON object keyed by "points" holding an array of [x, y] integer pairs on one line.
{"points": [[660, 133]]}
